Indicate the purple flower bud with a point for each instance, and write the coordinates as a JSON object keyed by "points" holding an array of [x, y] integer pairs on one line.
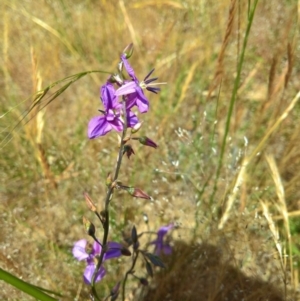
{"points": [[138, 193], [160, 245], [146, 141]]}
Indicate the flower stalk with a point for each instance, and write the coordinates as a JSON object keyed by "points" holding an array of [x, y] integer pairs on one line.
{"points": [[108, 198], [118, 97]]}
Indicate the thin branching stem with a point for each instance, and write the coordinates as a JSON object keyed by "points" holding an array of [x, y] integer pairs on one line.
{"points": [[136, 254], [107, 200]]}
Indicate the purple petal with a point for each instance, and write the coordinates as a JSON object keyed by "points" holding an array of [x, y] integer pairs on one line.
{"points": [[108, 97], [158, 247], [96, 249], [117, 124], [128, 68], [79, 251], [98, 126], [110, 115], [162, 231], [141, 101], [89, 271], [150, 80], [132, 119], [167, 249], [130, 101], [128, 88], [114, 250], [153, 89]]}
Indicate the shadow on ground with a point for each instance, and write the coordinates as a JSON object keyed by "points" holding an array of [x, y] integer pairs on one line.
{"points": [[199, 272]]}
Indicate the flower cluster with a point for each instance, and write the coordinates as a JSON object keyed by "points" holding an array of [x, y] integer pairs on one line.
{"points": [[80, 253], [120, 96], [116, 110]]}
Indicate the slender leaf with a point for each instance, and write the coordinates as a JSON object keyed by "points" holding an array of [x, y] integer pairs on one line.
{"points": [[155, 260], [24, 286], [149, 268]]}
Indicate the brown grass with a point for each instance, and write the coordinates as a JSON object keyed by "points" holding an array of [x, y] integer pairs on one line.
{"points": [[47, 161]]}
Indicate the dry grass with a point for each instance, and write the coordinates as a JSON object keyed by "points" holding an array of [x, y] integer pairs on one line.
{"points": [[249, 230]]}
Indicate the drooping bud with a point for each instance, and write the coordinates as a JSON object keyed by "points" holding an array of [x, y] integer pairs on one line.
{"points": [[128, 51], [125, 252], [146, 141], [128, 150], [144, 281], [89, 227], [136, 192], [134, 235], [134, 238], [90, 203]]}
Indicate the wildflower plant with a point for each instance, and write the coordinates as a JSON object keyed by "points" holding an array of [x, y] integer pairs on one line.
{"points": [[120, 95]]}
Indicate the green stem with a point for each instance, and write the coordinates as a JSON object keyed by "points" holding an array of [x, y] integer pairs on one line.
{"points": [[107, 201], [233, 98], [129, 272]]}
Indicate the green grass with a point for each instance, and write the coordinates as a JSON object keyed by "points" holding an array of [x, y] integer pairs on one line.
{"points": [[200, 121]]}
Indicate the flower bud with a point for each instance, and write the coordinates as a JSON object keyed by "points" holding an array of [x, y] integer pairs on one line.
{"points": [[128, 51], [144, 281], [146, 141], [125, 252], [134, 235], [136, 192], [115, 78], [89, 227], [89, 202]]}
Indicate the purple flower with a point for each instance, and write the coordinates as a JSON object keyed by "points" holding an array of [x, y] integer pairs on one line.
{"points": [[101, 125], [134, 89], [80, 253], [160, 245]]}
